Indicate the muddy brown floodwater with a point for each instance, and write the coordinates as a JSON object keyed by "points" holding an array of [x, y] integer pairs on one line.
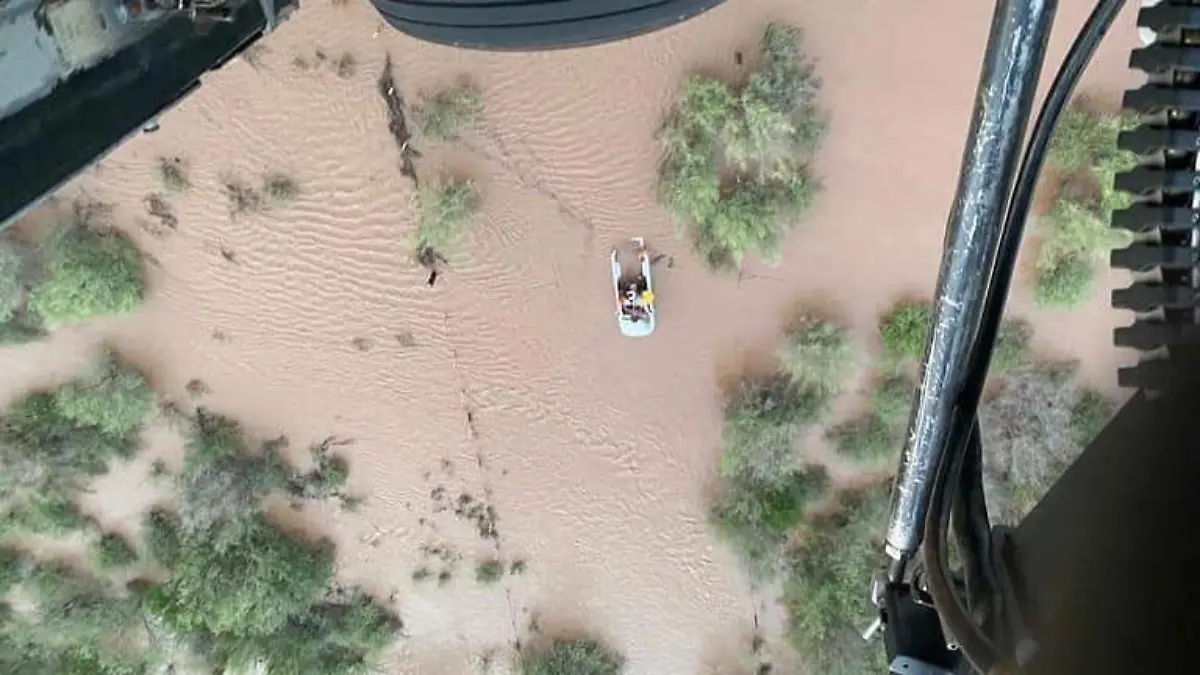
{"points": [[508, 381]]}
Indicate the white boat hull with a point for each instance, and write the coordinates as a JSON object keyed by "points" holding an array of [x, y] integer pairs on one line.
{"points": [[632, 325]]}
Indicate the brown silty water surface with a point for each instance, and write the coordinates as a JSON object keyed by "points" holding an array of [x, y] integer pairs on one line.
{"points": [[508, 381]]}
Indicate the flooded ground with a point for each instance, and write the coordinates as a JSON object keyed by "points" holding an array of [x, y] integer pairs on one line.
{"points": [[508, 382]]}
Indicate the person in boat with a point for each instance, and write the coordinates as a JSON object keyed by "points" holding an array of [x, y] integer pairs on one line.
{"points": [[637, 299]]}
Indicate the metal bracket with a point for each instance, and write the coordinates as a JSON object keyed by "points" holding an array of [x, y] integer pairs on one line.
{"points": [[905, 665]]}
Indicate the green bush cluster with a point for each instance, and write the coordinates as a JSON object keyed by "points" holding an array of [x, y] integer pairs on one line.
{"points": [[242, 584], [89, 273], [82, 269], [51, 441], [818, 352], [111, 552], [222, 477], [878, 433], [77, 626], [238, 590], [18, 324], [114, 398], [758, 518], [764, 491], [1035, 423], [241, 589], [579, 656], [905, 330], [1076, 235], [11, 569], [825, 588], [12, 281], [1012, 349], [49, 513], [892, 399], [866, 438], [1077, 238], [762, 419], [489, 571], [447, 207], [734, 173], [447, 113]]}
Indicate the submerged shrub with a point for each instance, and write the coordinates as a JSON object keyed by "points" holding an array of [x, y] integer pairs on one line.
{"points": [[89, 274], [446, 209], [245, 585], [757, 519], [51, 441], [817, 352], [1034, 426], [572, 657], [12, 282], [892, 399], [111, 551], [489, 571], [825, 587], [162, 532], [905, 331], [450, 111], [761, 422], [115, 398], [866, 438], [280, 187], [734, 172], [173, 172], [12, 569], [1076, 233], [1077, 237]]}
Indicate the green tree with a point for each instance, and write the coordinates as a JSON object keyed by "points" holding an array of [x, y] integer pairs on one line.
{"points": [[572, 657], [824, 591], [114, 398], [89, 274], [817, 352], [734, 172], [905, 331], [244, 585]]}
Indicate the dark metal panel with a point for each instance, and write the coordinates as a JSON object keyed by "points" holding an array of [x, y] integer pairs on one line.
{"points": [[60, 135]]}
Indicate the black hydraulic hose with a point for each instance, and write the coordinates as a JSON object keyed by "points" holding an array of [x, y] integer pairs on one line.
{"points": [[964, 437], [972, 529], [976, 649], [1080, 54]]}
